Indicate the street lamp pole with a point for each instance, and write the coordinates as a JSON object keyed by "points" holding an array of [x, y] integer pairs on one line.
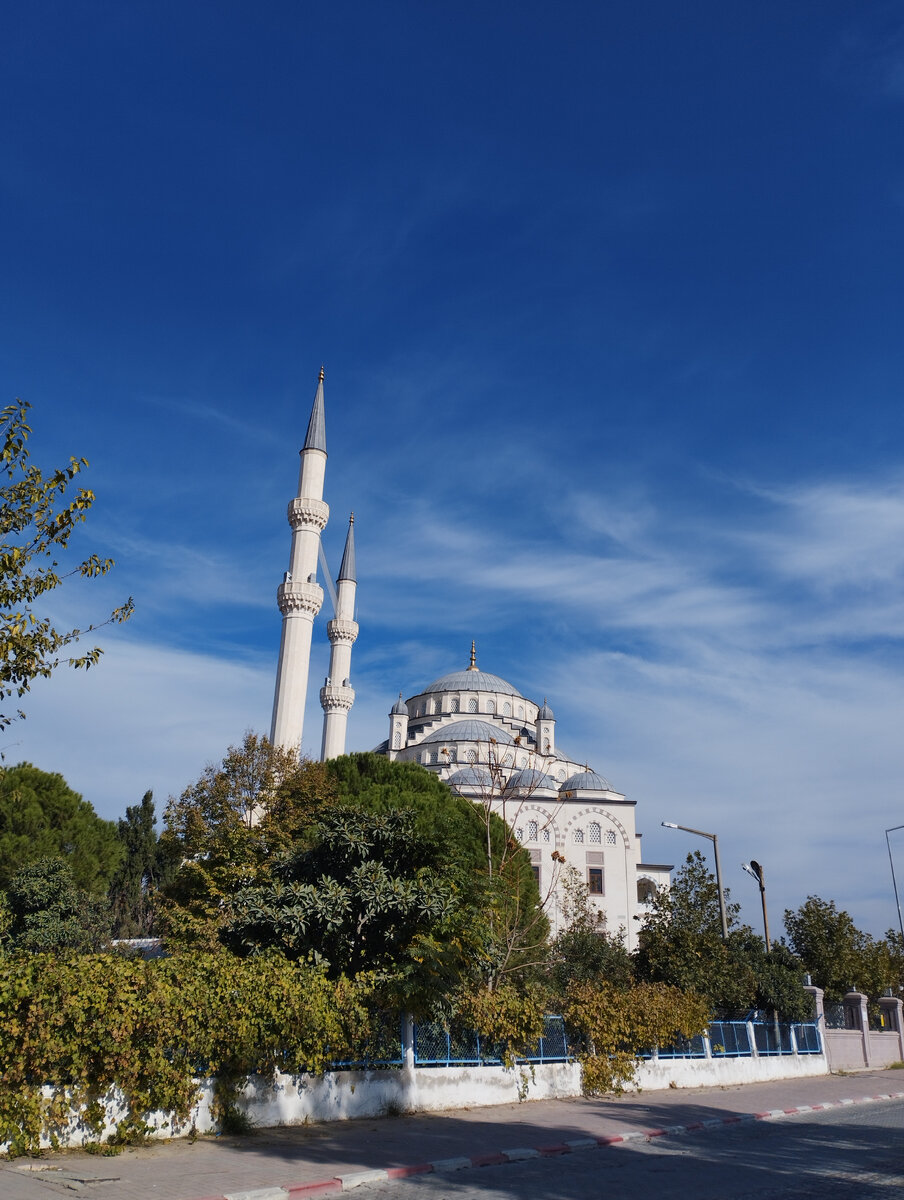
{"points": [[894, 881], [715, 841], [753, 868]]}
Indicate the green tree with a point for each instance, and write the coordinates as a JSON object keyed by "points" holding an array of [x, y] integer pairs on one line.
{"points": [[37, 519], [584, 951], [146, 866], [40, 816], [47, 911], [509, 917], [837, 954], [226, 830], [370, 894]]}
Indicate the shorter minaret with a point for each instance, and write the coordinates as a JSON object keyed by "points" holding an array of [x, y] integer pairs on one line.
{"points": [[300, 596], [337, 695], [546, 730]]}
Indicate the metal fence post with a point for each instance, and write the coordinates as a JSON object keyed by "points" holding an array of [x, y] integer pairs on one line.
{"points": [[408, 1036]]}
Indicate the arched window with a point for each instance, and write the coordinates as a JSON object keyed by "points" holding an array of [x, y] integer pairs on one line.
{"points": [[532, 831], [471, 756], [560, 775], [546, 746], [397, 741], [491, 706], [519, 833], [434, 757], [595, 833], [520, 710], [646, 891], [453, 754], [579, 836], [546, 835], [507, 761], [438, 705], [506, 709], [455, 705], [472, 705], [610, 837]]}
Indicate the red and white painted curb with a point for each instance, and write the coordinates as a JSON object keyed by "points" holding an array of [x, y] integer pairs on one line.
{"points": [[344, 1183]]}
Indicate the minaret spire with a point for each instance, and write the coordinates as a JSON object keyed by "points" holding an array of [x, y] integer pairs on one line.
{"points": [[337, 695], [299, 596], [473, 666]]}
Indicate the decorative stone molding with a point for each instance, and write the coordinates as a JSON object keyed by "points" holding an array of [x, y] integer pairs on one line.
{"points": [[342, 632], [336, 698], [306, 513], [294, 597]]}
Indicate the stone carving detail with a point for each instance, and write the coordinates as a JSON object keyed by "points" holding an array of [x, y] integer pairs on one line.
{"points": [[342, 632], [307, 513], [295, 597], [335, 698]]}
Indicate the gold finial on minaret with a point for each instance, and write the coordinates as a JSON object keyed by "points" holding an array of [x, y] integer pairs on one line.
{"points": [[321, 372], [351, 519], [473, 666]]}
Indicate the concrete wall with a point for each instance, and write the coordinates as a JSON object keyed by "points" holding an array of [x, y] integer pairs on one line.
{"points": [[346, 1095], [857, 1047]]}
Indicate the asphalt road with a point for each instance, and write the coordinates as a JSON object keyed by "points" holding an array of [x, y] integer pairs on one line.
{"points": [[855, 1153]]}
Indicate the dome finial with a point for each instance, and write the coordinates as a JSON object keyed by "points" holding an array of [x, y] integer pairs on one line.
{"points": [[473, 666], [321, 372]]}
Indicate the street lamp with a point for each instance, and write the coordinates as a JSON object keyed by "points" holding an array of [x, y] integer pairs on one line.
{"points": [[715, 841], [754, 869], [893, 880]]}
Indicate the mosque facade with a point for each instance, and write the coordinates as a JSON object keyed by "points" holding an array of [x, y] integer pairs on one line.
{"points": [[473, 729]]}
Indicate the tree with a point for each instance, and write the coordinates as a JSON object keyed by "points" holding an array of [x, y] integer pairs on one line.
{"points": [[37, 520], [227, 828], [40, 816], [47, 911], [584, 951], [146, 866], [370, 895], [837, 954]]}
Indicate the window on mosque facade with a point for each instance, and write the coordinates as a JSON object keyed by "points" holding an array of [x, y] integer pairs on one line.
{"points": [[595, 881], [535, 867], [520, 710], [610, 837], [453, 754], [491, 706], [595, 833], [397, 742], [546, 835], [532, 831], [646, 891], [579, 836], [519, 833], [506, 710], [438, 706], [546, 746], [455, 705], [471, 756], [472, 705]]}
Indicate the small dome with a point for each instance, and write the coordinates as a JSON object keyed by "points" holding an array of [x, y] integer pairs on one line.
{"points": [[546, 713], [469, 731], [586, 781], [472, 681], [530, 779], [400, 708], [471, 777]]}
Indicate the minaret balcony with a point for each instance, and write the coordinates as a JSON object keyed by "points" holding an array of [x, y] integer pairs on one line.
{"points": [[305, 512], [295, 597], [336, 698], [342, 632]]}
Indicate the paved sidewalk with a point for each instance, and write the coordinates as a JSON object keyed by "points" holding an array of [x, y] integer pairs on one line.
{"points": [[285, 1160]]}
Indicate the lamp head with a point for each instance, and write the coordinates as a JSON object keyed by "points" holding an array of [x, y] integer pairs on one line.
{"points": [[669, 825]]}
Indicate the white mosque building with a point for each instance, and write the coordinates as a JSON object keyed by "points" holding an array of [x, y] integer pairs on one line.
{"points": [[485, 739]]}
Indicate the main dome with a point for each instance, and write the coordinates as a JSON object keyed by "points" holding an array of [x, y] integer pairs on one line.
{"points": [[472, 681]]}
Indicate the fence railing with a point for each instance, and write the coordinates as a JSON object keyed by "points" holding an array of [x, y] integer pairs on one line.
{"points": [[437, 1046]]}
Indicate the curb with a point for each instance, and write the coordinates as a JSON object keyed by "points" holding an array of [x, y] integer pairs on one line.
{"points": [[344, 1183]]}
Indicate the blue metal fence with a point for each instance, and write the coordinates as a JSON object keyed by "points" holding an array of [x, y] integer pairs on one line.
{"points": [[435, 1045]]}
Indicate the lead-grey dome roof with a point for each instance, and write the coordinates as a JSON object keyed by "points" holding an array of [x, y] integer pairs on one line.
{"points": [[476, 777], [469, 731], [400, 708], [472, 681], [586, 781], [546, 713], [530, 779]]}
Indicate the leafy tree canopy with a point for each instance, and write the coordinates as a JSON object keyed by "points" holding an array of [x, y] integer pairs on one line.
{"points": [[146, 865], [40, 816], [838, 955], [47, 911], [584, 951], [37, 519]]}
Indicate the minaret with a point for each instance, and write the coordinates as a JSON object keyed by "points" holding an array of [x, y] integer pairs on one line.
{"points": [[337, 695], [299, 596]]}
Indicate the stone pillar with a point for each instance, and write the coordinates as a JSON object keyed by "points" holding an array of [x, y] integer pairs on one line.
{"points": [[893, 1011], [857, 1017]]}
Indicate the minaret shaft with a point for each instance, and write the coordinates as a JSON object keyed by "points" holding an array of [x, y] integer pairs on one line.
{"points": [[299, 596], [337, 695]]}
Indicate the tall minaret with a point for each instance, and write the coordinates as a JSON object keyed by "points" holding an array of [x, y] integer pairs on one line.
{"points": [[299, 596], [337, 695]]}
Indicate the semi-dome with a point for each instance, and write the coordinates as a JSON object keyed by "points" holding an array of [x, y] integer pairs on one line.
{"points": [[530, 779], [472, 681], [469, 731], [472, 777], [586, 781], [400, 708]]}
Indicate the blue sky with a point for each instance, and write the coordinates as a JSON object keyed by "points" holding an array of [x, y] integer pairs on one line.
{"points": [[609, 299]]}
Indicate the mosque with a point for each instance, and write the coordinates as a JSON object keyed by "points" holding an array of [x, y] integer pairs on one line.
{"points": [[474, 730]]}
